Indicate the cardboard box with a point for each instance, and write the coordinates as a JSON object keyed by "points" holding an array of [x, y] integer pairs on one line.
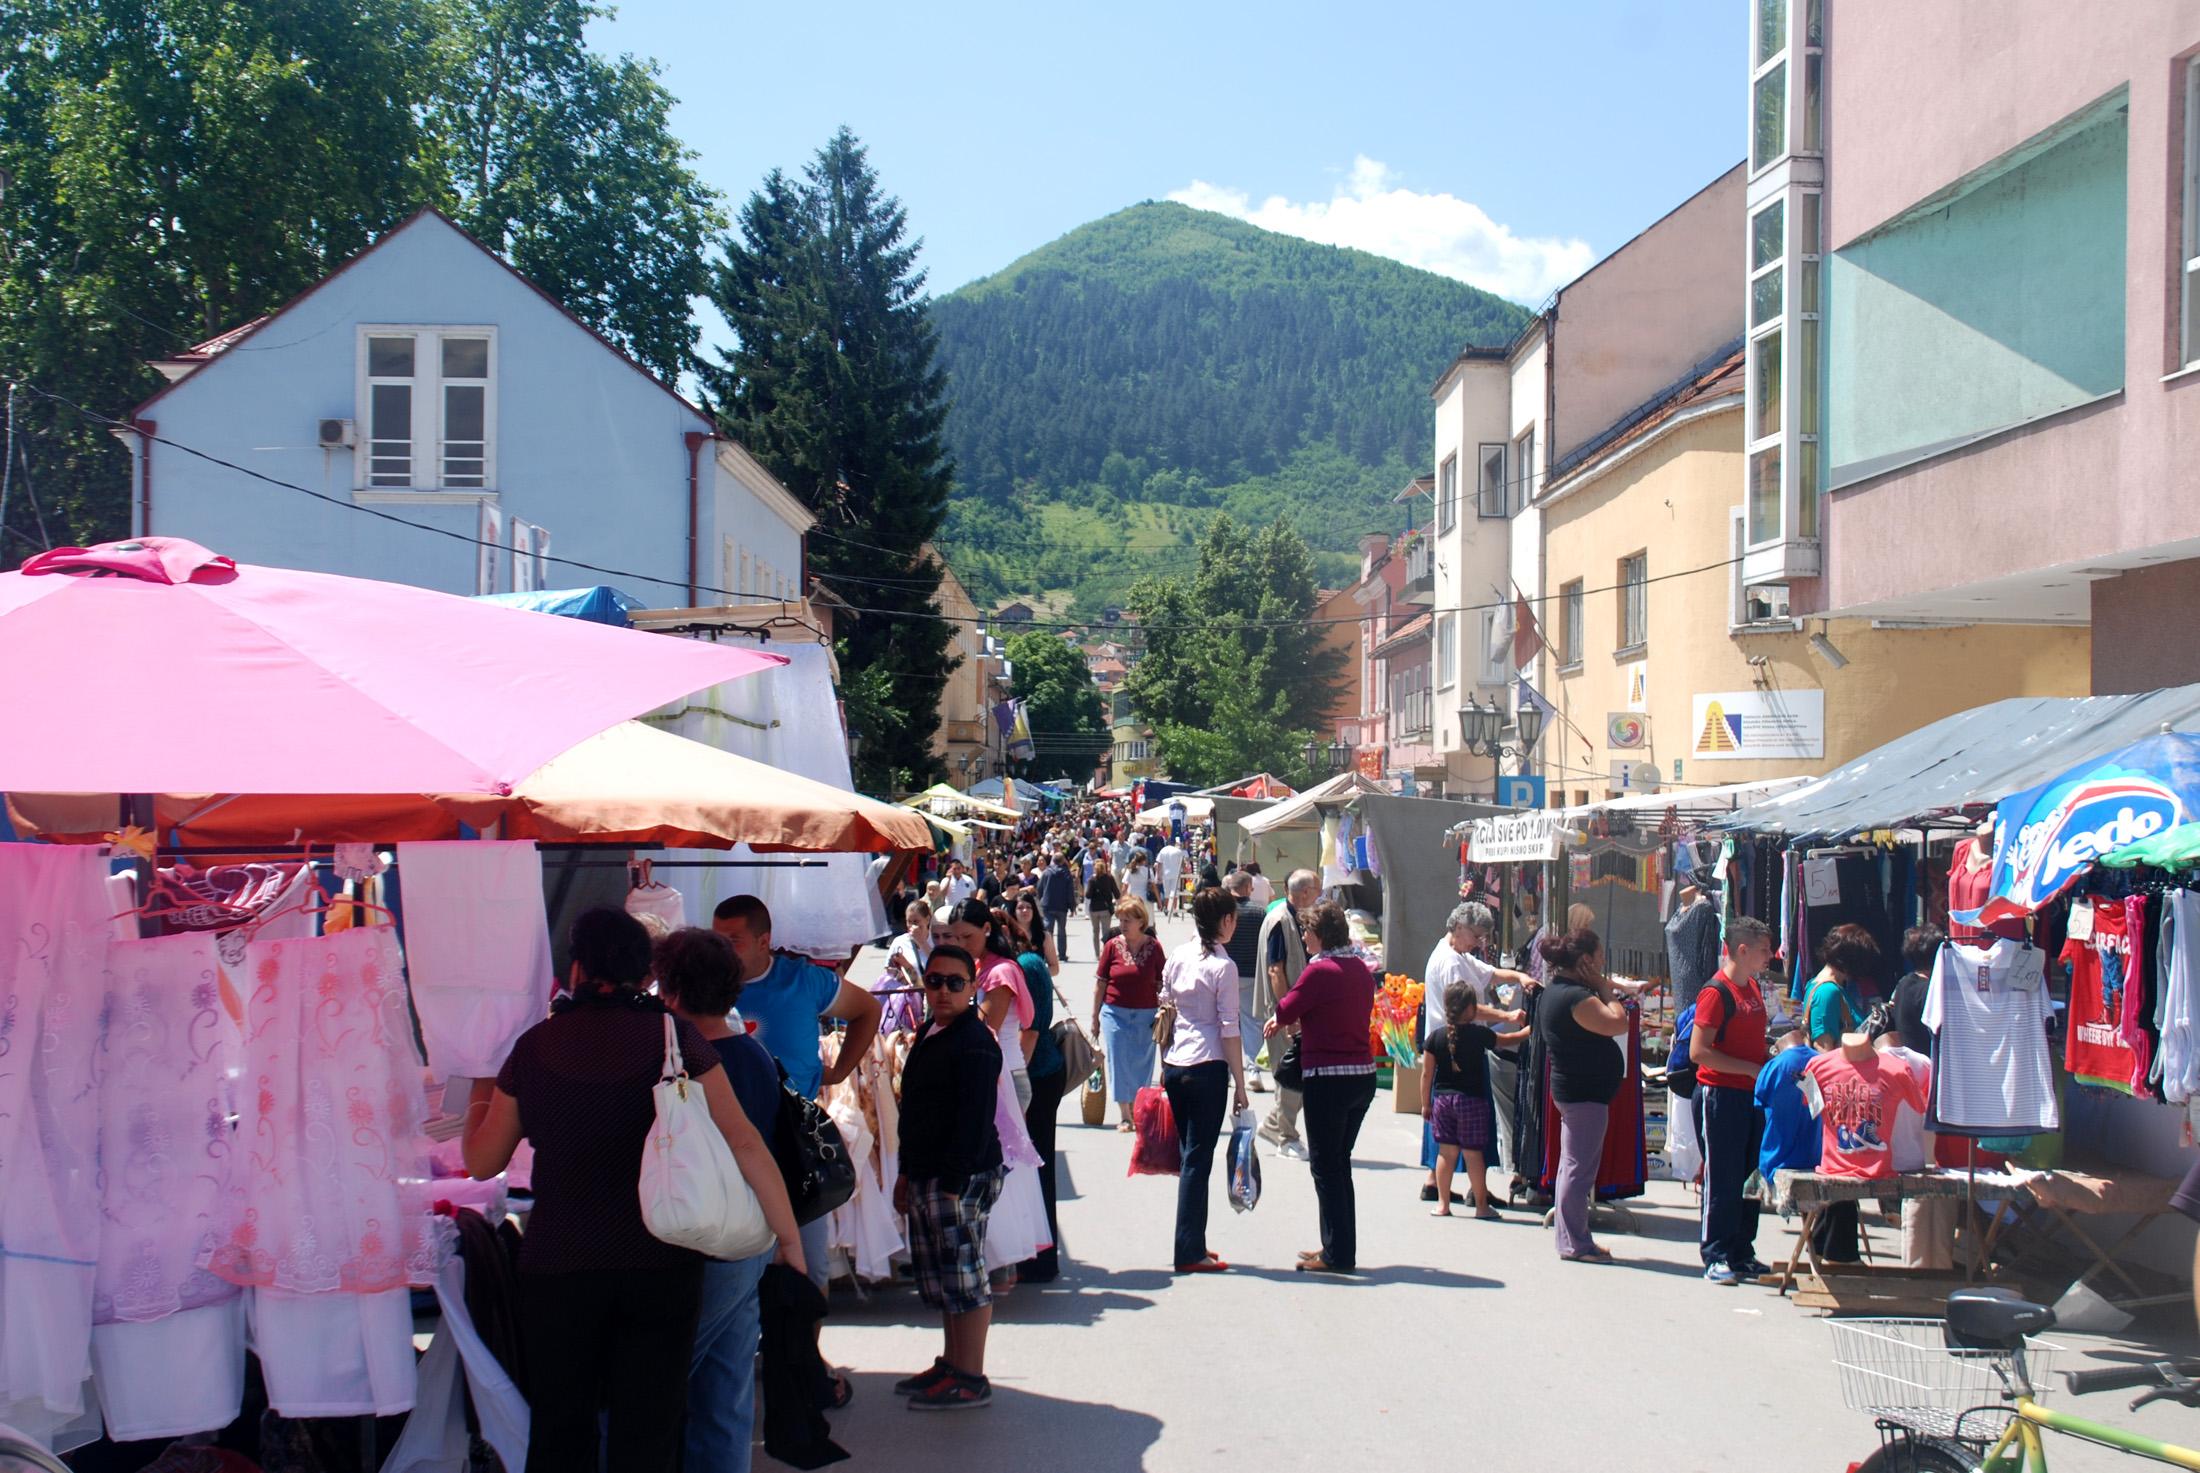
{"points": [[1405, 1090]]}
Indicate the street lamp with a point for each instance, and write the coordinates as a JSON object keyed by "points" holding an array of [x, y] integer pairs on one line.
{"points": [[1331, 758], [1482, 729]]}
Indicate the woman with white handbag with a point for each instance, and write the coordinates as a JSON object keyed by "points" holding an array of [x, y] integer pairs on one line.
{"points": [[644, 1162]]}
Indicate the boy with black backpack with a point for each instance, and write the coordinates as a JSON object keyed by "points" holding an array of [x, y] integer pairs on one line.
{"points": [[1727, 1046]]}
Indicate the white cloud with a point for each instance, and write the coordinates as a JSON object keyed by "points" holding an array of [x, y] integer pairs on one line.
{"points": [[1372, 211]]}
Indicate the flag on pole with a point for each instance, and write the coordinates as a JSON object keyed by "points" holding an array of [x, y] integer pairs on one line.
{"points": [[1528, 695], [1527, 640]]}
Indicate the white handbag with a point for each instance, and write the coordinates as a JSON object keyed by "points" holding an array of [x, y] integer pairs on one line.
{"points": [[693, 1193]]}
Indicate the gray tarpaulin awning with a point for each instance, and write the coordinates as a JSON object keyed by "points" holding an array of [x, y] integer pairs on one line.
{"points": [[1980, 756]]}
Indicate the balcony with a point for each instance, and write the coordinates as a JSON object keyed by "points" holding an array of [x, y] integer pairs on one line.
{"points": [[1420, 584]]}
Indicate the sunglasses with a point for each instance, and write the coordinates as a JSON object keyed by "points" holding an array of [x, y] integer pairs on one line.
{"points": [[948, 980]]}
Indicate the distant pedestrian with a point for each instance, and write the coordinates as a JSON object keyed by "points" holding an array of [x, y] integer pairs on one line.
{"points": [[1728, 1047], [1126, 998], [1264, 891], [1101, 893], [1170, 863], [1057, 898]]}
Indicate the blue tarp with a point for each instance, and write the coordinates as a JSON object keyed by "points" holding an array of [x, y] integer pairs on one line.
{"points": [[598, 605]]}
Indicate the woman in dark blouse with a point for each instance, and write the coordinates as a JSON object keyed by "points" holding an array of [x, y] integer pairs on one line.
{"points": [[607, 1312], [951, 1175], [1579, 1018], [1332, 1002]]}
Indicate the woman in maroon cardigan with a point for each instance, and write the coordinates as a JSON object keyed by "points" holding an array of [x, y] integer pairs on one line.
{"points": [[1332, 1002]]}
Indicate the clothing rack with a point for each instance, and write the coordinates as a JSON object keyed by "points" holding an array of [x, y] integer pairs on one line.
{"points": [[309, 851]]}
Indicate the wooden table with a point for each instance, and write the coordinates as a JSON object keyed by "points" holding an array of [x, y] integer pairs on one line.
{"points": [[1812, 1195]]}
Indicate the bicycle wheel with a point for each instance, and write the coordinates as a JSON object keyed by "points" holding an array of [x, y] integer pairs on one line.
{"points": [[1920, 1455]]}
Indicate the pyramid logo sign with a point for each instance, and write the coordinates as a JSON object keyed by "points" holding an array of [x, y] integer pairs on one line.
{"points": [[1721, 732]]}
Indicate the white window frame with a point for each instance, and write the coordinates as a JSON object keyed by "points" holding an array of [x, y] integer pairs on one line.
{"points": [[2189, 295], [1573, 609], [1447, 651], [427, 417], [1490, 664], [1447, 493], [1634, 595], [1522, 461], [1484, 455]]}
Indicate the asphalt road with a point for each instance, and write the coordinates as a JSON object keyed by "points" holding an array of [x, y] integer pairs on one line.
{"points": [[1459, 1340]]}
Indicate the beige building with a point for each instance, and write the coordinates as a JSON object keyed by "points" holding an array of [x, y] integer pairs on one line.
{"points": [[1663, 674], [1131, 756], [963, 739]]}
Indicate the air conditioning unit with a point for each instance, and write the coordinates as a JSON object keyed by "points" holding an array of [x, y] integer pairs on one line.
{"points": [[336, 434]]}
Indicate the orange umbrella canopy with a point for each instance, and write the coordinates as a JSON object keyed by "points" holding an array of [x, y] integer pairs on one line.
{"points": [[632, 784]]}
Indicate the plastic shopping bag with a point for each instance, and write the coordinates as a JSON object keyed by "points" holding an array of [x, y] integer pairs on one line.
{"points": [[1244, 1163], [1154, 1149]]}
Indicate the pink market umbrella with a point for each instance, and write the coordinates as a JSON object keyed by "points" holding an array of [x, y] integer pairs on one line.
{"points": [[155, 666]]}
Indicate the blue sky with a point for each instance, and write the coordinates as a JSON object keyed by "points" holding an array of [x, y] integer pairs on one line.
{"points": [[1508, 144]]}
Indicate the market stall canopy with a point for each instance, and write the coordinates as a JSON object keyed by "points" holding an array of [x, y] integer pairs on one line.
{"points": [[2049, 835], [632, 784], [1196, 810], [155, 666], [1258, 785], [1691, 802], [1305, 809], [945, 801], [1972, 759]]}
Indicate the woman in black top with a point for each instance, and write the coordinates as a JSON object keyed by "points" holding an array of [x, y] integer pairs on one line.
{"points": [[1578, 1020], [607, 1312], [1920, 945], [951, 1174]]}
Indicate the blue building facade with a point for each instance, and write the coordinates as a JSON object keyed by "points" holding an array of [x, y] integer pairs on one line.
{"points": [[425, 397]]}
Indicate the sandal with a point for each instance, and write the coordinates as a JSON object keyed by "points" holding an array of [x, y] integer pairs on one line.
{"points": [[1595, 1255], [1208, 1265], [844, 1391], [1320, 1265]]}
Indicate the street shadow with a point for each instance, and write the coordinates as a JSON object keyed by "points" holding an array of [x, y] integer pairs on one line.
{"points": [[1019, 1429], [1081, 1296], [1412, 1274]]}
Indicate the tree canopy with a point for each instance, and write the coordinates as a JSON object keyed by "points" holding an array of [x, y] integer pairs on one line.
{"points": [[832, 384], [1234, 679], [1068, 726], [171, 169]]}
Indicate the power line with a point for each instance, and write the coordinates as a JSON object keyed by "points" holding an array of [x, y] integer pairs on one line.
{"points": [[979, 620]]}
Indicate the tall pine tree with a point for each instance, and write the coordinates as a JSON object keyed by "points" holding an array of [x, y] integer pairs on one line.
{"points": [[832, 384]]}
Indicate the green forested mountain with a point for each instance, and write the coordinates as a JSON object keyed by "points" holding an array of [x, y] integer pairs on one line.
{"points": [[1115, 388]]}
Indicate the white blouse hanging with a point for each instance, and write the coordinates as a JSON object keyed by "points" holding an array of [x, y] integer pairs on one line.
{"points": [[328, 1130]]}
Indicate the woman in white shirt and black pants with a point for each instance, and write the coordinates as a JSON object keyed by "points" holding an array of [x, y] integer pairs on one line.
{"points": [[1203, 1066]]}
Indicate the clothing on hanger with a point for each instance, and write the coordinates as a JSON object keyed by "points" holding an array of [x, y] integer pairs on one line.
{"points": [[1987, 1007], [2095, 1049], [477, 943], [2176, 1071], [328, 1126], [172, 1377], [55, 934]]}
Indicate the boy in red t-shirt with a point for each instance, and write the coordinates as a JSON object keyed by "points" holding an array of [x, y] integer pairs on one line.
{"points": [[1728, 1047]]}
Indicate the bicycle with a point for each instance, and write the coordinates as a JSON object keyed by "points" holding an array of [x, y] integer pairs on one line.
{"points": [[1937, 1387]]}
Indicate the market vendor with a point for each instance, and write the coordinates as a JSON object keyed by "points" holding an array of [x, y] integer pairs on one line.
{"points": [[1458, 958]]}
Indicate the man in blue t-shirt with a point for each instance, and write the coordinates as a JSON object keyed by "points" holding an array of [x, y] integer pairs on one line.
{"points": [[784, 998]]}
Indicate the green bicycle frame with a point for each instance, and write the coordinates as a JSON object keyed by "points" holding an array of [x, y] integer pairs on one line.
{"points": [[2021, 1447]]}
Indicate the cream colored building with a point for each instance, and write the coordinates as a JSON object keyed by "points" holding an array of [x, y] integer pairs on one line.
{"points": [[1655, 662], [963, 739]]}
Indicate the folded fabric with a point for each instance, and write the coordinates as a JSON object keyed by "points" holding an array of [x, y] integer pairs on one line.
{"points": [[477, 947]]}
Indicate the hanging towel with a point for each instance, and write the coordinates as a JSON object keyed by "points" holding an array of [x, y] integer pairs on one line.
{"points": [[55, 933], [478, 948]]}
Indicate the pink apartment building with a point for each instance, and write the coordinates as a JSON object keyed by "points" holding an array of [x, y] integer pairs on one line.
{"points": [[1974, 318]]}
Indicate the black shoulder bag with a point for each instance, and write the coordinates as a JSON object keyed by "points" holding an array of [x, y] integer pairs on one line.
{"points": [[814, 1160]]}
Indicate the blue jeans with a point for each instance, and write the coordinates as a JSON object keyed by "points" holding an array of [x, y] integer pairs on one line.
{"points": [[1058, 923], [721, 1417]]}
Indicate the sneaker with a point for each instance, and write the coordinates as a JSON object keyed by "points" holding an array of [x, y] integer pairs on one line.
{"points": [[1719, 1273], [1293, 1151], [953, 1393], [924, 1380], [1753, 1268]]}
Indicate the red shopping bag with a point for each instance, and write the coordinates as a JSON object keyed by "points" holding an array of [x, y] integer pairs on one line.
{"points": [[1153, 1148]]}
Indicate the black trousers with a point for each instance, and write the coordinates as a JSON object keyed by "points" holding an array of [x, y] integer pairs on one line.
{"points": [[1731, 1128], [1835, 1237], [1198, 1096], [1335, 1106], [618, 1339], [1039, 1119]]}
